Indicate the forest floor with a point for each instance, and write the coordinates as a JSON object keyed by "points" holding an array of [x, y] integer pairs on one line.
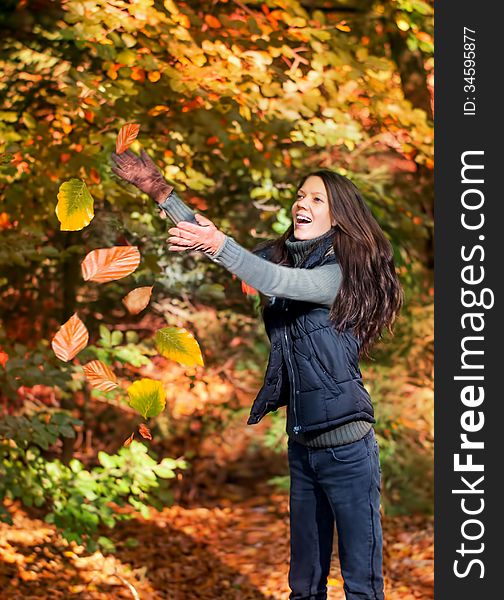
{"points": [[232, 548]]}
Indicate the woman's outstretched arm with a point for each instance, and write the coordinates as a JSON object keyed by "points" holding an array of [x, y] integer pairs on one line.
{"points": [[319, 285]]}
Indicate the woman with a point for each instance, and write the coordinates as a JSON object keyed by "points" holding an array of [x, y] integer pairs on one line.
{"points": [[323, 313]]}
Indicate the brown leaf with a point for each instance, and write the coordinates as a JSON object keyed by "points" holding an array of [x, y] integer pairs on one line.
{"points": [[108, 264], [71, 338], [144, 431], [100, 376], [127, 442], [126, 137], [137, 299]]}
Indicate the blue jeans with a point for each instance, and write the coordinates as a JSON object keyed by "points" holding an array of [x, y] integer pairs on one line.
{"points": [[341, 483]]}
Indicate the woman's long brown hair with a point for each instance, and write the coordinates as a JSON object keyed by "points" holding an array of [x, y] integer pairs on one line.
{"points": [[370, 296]]}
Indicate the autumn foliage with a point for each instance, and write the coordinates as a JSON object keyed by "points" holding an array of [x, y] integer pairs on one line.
{"points": [[114, 350]]}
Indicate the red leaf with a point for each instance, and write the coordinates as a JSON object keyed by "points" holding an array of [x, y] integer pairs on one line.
{"points": [[144, 431]]}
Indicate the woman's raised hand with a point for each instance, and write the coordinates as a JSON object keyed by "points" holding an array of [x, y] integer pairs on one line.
{"points": [[204, 237], [142, 173]]}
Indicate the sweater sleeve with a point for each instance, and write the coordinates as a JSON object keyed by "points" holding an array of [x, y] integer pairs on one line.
{"points": [[319, 285], [177, 210]]}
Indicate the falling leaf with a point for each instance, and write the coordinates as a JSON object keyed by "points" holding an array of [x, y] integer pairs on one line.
{"points": [[137, 299], [126, 137], [108, 264], [144, 431], [100, 376], [178, 344], [247, 289], [75, 205], [71, 338], [127, 442], [148, 397]]}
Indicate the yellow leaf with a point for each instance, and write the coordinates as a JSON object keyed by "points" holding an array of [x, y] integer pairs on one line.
{"points": [[108, 264], [148, 397], [71, 338], [402, 24], [137, 299], [100, 376], [75, 205], [179, 345]]}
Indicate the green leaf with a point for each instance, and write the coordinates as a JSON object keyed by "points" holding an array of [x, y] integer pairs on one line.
{"points": [[106, 338], [116, 338]]}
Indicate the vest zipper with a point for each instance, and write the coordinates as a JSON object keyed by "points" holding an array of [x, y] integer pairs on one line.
{"points": [[296, 428]]}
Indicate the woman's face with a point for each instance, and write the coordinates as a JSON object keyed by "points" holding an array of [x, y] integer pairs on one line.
{"points": [[312, 202]]}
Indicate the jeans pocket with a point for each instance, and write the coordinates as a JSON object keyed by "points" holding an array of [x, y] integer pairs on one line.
{"points": [[352, 453]]}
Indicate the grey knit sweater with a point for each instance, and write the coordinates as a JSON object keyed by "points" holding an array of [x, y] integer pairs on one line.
{"points": [[319, 285]]}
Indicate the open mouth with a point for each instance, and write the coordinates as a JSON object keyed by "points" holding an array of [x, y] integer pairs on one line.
{"points": [[302, 220]]}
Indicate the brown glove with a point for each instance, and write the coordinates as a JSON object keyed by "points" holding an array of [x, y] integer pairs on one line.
{"points": [[204, 237], [142, 173]]}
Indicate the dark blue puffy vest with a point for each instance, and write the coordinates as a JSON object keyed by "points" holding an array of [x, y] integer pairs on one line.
{"points": [[311, 367]]}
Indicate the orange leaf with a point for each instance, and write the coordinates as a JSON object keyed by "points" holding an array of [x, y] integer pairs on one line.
{"points": [[212, 21], [159, 109], [154, 76], [100, 376], [126, 137], [71, 338], [108, 264], [198, 203], [137, 299], [4, 357], [258, 145], [342, 26], [129, 440], [145, 431], [137, 74], [94, 175], [249, 290]]}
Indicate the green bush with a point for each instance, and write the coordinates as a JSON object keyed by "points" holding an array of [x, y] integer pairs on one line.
{"points": [[78, 500]]}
